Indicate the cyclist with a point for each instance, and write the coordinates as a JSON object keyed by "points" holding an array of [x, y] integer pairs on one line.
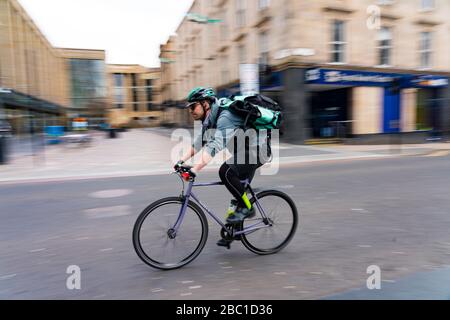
{"points": [[204, 106]]}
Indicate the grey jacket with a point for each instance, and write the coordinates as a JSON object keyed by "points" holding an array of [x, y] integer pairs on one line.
{"points": [[219, 129]]}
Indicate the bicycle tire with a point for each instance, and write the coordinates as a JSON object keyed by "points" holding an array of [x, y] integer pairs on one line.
{"points": [[144, 256], [253, 247]]}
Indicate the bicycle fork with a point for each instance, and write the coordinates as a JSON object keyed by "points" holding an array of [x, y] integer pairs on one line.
{"points": [[172, 232]]}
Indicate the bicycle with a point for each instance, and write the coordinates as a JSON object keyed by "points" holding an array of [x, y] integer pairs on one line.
{"points": [[180, 222]]}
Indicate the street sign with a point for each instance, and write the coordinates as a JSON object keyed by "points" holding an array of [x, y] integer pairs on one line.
{"points": [[249, 75]]}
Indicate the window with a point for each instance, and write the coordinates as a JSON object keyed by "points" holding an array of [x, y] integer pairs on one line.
{"points": [[225, 71], [149, 90], [427, 4], [240, 13], [264, 48], [224, 27], [88, 83], [425, 49], [134, 91], [384, 46], [198, 46], [118, 80], [118, 90], [263, 4], [338, 42], [242, 54]]}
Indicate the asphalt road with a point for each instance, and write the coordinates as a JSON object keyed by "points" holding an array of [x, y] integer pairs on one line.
{"points": [[393, 213]]}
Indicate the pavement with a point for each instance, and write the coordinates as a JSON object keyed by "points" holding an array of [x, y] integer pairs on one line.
{"points": [[152, 151]]}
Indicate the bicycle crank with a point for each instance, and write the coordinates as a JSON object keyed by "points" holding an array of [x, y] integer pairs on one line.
{"points": [[228, 233]]}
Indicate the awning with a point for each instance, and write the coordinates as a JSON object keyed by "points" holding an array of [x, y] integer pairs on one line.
{"points": [[19, 100]]}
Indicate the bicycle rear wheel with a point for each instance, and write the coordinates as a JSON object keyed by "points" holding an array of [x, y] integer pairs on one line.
{"points": [[154, 241], [281, 213]]}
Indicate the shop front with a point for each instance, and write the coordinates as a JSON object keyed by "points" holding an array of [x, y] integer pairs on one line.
{"points": [[374, 102]]}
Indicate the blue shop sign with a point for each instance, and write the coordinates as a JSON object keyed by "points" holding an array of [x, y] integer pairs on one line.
{"points": [[373, 79]]}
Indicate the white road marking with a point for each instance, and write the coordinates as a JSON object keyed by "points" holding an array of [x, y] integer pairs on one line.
{"points": [[289, 287], [316, 272], [115, 193], [388, 281], [186, 294], [108, 212], [187, 281], [280, 273], [38, 250], [157, 290], [360, 210], [54, 238], [195, 287], [9, 276], [364, 246], [289, 186], [107, 249]]}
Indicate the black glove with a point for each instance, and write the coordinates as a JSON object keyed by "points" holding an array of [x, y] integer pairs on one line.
{"points": [[178, 165]]}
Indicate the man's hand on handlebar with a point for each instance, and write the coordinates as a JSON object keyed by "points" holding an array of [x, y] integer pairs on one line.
{"points": [[185, 171], [178, 165]]}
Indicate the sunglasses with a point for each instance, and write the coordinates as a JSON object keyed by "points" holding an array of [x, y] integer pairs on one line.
{"points": [[192, 107]]}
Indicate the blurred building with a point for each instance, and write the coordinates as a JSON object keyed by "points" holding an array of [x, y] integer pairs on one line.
{"points": [[47, 84], [135, 96], [86, 74], [33, 79], [338, 67], [173, 114]]}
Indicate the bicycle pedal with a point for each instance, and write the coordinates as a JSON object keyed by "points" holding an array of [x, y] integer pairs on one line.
{"points": [[224, 243]]}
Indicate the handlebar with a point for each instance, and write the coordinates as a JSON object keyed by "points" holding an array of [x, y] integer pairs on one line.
{"points": [[182, 170]]}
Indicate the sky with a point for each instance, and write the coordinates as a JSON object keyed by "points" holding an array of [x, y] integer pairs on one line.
{"points": [[129, 30]]}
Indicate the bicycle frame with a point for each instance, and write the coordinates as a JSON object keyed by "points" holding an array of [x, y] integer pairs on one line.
{"points": [[189, 194]]}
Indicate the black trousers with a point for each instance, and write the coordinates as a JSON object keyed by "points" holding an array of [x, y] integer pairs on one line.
{"points": [[231, 174]]}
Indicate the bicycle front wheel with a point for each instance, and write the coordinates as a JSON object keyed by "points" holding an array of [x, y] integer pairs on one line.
{"points": [[282, 216], [156, 243]]}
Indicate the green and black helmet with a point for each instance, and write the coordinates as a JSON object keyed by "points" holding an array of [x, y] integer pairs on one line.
{"points": [[199, 94]]}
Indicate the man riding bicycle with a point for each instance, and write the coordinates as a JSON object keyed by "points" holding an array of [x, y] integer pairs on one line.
{"points": [[204, 106]]}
